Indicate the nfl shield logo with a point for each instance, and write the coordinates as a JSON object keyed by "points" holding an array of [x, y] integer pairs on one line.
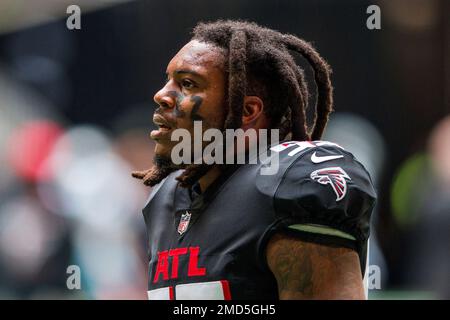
{"points": [[184, 222]]}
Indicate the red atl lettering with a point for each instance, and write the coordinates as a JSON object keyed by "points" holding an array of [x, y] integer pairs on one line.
{"points": [[193, 270], [162, 266], [175, 253]]}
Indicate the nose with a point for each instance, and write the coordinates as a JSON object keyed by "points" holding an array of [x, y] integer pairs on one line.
{"points": [[164, 99]]}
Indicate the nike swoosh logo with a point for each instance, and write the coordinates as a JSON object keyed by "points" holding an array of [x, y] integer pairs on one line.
{"points": [[317, 159]]}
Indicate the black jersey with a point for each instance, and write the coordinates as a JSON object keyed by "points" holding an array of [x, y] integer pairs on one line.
{"points": [[212, 245]]}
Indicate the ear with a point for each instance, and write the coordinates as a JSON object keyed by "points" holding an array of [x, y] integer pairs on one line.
{"points": [[253, 110]]}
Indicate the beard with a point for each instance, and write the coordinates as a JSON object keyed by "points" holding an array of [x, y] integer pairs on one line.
{"points": [[164, 163], [162, 167]]}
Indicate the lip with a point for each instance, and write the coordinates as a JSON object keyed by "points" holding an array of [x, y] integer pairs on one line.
{"points": [[159, 120], [164, 127]]}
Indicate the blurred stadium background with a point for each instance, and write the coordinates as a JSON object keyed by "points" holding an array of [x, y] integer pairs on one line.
{"points": [[75, 113]]}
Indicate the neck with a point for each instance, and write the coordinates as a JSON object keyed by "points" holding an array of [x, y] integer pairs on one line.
{"points": [[208, 178]]}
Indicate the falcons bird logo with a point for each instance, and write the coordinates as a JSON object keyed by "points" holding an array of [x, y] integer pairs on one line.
{"points": [[335, 177]]}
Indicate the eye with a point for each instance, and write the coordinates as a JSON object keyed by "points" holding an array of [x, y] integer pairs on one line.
{"points": [[187, 84]]}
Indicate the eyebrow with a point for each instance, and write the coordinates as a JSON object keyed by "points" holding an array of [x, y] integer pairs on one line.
{"points": [[179, 72]]}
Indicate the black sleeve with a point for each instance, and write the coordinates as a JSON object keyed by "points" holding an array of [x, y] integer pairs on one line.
{"points": [[326, 201]]}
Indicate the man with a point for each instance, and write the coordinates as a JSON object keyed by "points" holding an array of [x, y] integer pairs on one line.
{"points": [[227, 231]]}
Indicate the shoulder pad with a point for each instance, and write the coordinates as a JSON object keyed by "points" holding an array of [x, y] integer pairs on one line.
{"points": [[320, 183]]}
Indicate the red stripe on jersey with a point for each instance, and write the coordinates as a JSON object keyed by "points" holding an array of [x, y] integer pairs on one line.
{"points": [[226, 290]]}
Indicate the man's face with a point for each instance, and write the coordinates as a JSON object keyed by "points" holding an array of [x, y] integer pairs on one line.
{"points": [[194, 91]]}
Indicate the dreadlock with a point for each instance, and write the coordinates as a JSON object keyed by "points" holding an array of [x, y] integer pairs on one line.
{"points": [[259, 62]]}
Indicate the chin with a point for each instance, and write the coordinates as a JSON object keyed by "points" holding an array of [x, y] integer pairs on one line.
{"points": [[163, 150]]}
